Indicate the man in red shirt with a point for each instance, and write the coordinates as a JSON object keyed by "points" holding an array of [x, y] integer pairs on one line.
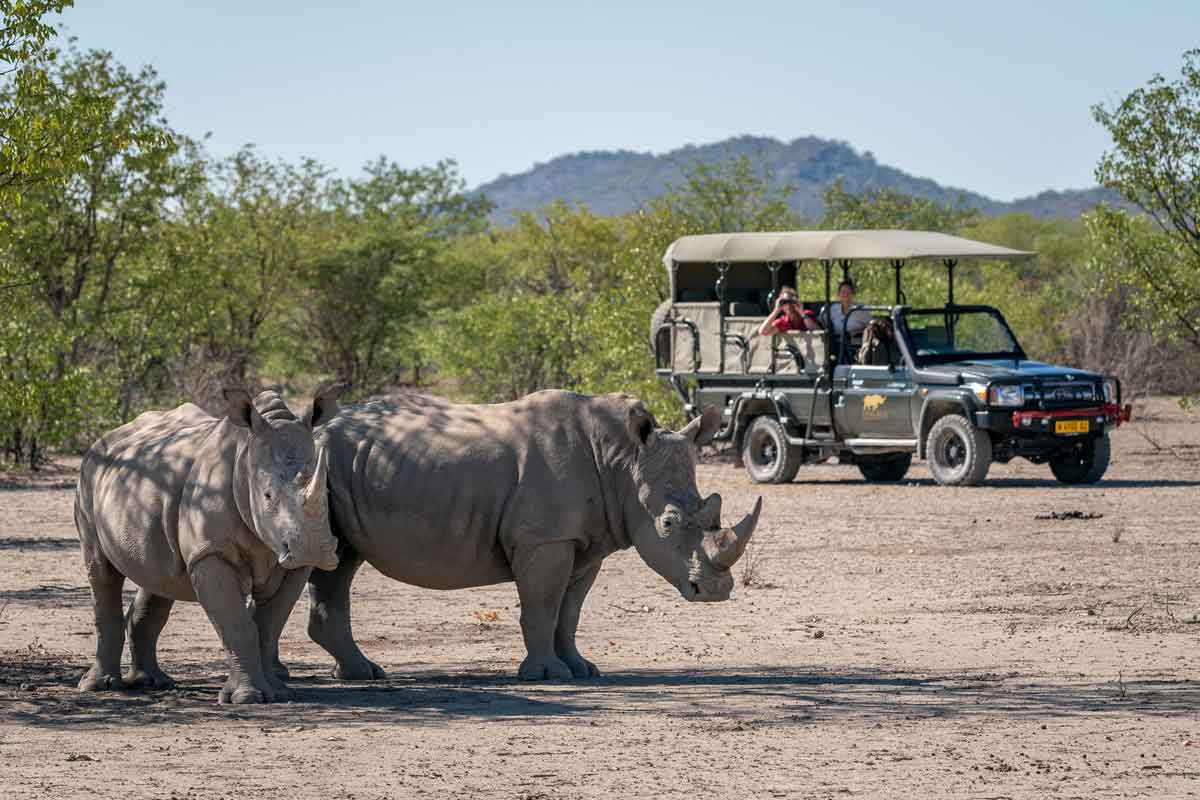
{"points": [[788, 315]]}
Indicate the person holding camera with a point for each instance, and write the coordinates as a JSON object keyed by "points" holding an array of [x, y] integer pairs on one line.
{"points": [[788, 315]]}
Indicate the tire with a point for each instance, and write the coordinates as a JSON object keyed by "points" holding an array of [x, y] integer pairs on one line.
{"points": [[767, 456], [658, 318], [886, 469], [1083, 462], [959, 454]]}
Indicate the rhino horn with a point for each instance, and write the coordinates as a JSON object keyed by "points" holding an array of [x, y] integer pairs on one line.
{"points": [[314, 492], [726, 546]]}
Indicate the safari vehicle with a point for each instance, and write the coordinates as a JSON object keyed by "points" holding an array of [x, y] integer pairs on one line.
{"points": [[952, 385]]}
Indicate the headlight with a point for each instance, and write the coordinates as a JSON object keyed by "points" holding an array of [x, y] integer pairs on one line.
{"points": [[1110, 391], [1006, 395], [979, 391]]}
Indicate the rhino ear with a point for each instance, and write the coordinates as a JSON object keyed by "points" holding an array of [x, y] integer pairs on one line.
{"points": [[325, 403], [703, 428], [241, 411], [641, 424]]}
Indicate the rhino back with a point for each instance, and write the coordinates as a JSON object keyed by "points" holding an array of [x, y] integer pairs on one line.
{"points": [[130, 485], [439, 494]]}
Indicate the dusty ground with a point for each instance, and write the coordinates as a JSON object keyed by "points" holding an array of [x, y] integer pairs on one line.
{"points": [[909, 641]]}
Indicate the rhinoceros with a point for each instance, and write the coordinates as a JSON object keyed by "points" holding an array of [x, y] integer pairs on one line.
{"points": [[536, 491], [191, 507]]}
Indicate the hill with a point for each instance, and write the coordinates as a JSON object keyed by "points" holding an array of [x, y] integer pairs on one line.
{"points": [[620, 181]]}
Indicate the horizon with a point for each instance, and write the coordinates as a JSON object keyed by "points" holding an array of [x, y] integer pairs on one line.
{"points": [[510, 88]]}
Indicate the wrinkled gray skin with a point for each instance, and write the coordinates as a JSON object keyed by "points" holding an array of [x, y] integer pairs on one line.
{"points": [[219, 511], [537, 491]]}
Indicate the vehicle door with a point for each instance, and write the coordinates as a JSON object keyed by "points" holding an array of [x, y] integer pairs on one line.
{"points": [[875, 402]]}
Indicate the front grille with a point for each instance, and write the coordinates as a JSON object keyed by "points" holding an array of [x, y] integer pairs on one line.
{"points": [[1061, 394]]}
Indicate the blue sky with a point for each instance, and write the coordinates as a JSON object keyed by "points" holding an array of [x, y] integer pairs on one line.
{"points": [[992, 97]]}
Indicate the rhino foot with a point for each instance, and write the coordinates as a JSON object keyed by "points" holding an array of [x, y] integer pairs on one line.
{"points": [[364, 670], [149, 679], [241, 695], [545, 668], [97, 681], [279, 692], [580, 667]]}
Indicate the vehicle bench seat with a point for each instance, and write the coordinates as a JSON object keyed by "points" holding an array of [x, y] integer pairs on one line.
{"points": [[809, 344], [707, 319]]}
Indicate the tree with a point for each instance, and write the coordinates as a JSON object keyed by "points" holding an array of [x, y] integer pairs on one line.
{"points": [[1155, 165], [44, 127], [77, 303], [242, 241], [728, 196], [365, 294], [890, 208], [24, 32]]}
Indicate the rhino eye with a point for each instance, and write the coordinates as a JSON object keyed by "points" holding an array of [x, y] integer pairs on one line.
{"points": [[267, 494]]}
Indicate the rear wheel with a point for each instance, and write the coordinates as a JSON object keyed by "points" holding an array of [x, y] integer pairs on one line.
{"points": [[1083, 462], [959, 453], [766, 453], [885, 469]]}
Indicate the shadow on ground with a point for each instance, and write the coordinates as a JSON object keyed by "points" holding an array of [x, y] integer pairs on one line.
{"points": [[1019, 483], [36, 689], [32, 544], [55, 595]]}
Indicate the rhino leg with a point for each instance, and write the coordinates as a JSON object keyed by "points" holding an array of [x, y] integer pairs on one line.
{"points": [[542, 573], [219, 590], [270, 617], [106, 585], [148, 614], [329, 618], [568, 621]]}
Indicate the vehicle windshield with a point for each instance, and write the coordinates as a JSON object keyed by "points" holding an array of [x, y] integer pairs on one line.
{"points": [[937, 336]]}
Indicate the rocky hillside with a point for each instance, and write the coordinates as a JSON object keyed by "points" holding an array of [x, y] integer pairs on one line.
{"points": [[616, 182]]}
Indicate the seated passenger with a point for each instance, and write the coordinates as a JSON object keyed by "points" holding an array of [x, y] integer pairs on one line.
{"points": [[836, 314], [788, 315], [877, 342]]}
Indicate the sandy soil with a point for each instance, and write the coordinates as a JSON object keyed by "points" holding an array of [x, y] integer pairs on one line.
{"points": [[908, 641]]}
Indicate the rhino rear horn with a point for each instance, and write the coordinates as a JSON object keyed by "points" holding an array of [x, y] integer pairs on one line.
{"points": [[726, 546]]}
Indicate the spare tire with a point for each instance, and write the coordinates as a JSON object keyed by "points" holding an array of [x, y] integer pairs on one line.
{"points": [[658, 318]]}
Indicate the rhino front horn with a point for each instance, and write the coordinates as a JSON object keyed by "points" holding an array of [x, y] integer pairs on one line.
{"points": [[728, 545], [316, 487]]}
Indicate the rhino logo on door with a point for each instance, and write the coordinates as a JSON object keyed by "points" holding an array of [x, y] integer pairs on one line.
{"points": [[873, 406]]}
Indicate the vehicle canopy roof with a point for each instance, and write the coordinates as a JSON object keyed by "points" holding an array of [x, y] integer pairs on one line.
{"points": [[883, 245], [695, 258]]}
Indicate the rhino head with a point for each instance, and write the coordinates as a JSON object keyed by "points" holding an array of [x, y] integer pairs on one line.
{"points": [[676, 532], [281, 474]]}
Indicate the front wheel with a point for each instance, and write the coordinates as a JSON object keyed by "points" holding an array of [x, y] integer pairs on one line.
{"points": [[766, 453], [959, 453], [1083, 462], [886, 469]]}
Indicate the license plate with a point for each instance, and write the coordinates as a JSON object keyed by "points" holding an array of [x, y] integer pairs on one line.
{"points": [[1071, 426]]}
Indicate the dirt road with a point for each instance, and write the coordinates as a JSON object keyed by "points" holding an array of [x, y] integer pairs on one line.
{"points": [[903, 641]]}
